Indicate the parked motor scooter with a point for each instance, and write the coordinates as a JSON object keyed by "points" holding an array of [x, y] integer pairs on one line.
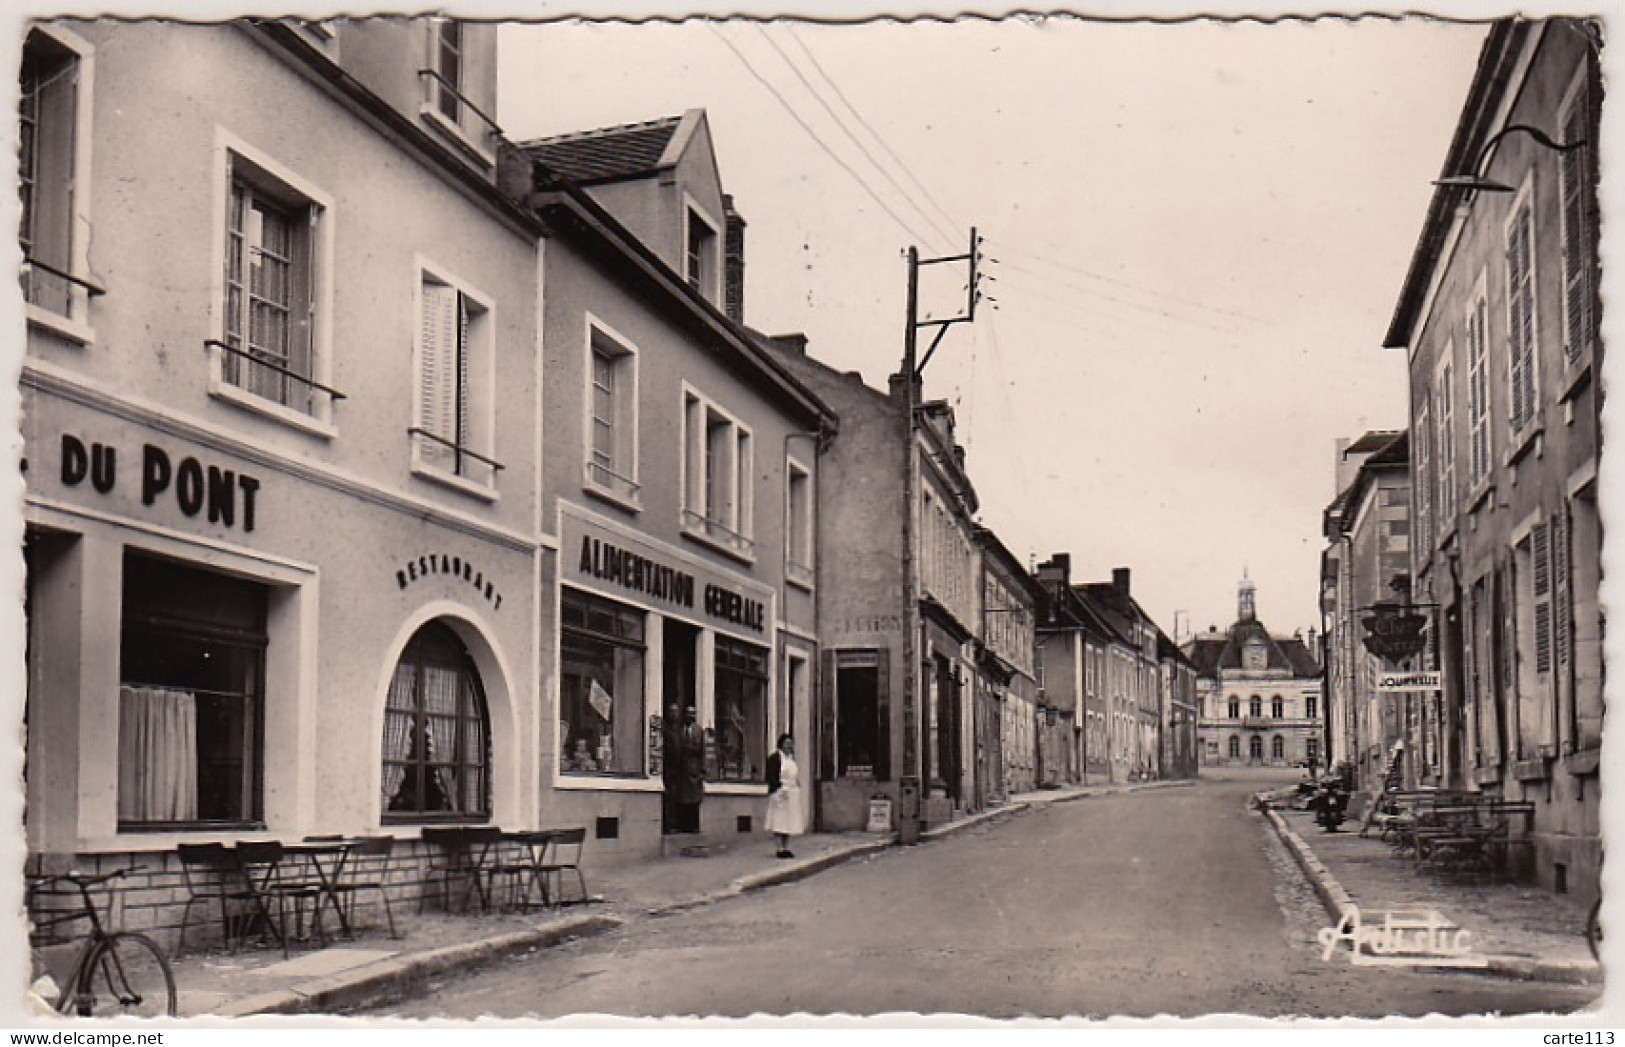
{"points": [[1330, 802]]}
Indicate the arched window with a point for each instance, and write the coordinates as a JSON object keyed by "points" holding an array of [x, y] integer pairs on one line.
{"points": [[1235, 708], [1255, 747], [1255, 706], [1277, 707], [1235, 747], [436, 746], [1278, 746]]}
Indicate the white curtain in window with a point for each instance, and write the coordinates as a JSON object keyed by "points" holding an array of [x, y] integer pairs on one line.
{"points": [[157, 753], [397, 731], [440, 706]]}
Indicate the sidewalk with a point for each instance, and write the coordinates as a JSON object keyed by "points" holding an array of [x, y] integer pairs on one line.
{"points": [[1522, 931], [374, 968]]}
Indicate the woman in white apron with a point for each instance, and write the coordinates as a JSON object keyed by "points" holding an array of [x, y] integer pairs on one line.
{"points": [[784, 813]]}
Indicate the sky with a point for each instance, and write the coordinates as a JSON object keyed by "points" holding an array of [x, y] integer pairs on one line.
{"points": [[1196, 234]]}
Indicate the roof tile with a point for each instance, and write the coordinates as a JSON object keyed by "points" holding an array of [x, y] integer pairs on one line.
{"points": [[607, 154]]}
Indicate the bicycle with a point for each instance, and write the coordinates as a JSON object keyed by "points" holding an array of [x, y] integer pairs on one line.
{"points": [[115, 973], [1594, 930]]}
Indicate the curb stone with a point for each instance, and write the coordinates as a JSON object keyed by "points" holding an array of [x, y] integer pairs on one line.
{"points": [[392, 978], [1335, 900]]}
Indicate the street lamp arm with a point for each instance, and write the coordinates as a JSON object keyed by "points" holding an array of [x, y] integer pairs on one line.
{"points": [[1476, 180]]}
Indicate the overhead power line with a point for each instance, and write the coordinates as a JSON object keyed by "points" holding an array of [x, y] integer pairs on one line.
{"points": [[953, 223], [1107, 296], [867, 188], [818, 97], [1008, 247]]}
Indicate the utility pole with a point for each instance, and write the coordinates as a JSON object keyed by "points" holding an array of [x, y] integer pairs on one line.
{"points": [[913, 673]]}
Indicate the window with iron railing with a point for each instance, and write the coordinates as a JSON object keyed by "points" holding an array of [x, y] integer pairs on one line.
{"points": [[447, 105], [612, 461], [267, 353], [452, 438], [719, 478], [798, 536], [48, 129]]}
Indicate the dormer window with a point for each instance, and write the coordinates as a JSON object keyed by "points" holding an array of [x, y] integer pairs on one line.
{"points": [[1253, 656], [700, 254], [448, 65], [453, 91]]}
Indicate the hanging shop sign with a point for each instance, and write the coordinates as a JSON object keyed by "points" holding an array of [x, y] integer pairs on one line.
{"points": [[1394, 631], [222, 496], [618, 565], [1425, 681], [431, 565]]}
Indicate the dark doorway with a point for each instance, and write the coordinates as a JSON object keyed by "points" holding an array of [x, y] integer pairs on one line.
{"points": [[948, 724], [678, 692]]}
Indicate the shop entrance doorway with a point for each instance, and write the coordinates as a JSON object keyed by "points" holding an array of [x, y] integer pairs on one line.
{"points": [[683, 768]]}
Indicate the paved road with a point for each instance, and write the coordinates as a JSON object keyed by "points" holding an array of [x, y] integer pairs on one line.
{"points": [[1174, 901]]}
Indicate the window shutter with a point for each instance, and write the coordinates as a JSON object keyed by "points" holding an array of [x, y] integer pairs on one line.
{"points": [[460, 424], [1560, 587], [1540, 548], [437, 379], [1574, 168], [53, 201], [1515, 322], [302, 310]]}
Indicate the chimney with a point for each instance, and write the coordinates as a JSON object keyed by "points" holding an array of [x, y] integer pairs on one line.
{"points": [[894, 384], [733, 261], [516, 172], [1058, 568], [1120, 579]]}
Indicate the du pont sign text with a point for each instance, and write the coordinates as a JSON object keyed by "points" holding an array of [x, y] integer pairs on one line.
{"points": [[223, 496]]}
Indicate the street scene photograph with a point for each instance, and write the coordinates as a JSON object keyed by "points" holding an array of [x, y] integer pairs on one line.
{"points": [[808, 514]]}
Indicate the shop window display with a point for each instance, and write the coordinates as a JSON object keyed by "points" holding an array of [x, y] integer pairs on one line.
{"points": [[191, 667], [601, 729], [741, 712]]}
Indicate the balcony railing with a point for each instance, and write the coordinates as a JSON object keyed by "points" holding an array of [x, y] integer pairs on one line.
{"points": [[623, 487], [433, 446], [462, 100], [249, 371], [717, 534], [48, 287]]}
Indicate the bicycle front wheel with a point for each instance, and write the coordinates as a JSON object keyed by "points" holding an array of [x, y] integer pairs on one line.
{"points": [[128, 977]]}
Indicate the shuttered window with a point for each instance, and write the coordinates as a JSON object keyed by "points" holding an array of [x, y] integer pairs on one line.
{"points": [[453, 427], [1541, 571], [1577, 172], [1422, 480], [50, 78], [1521, 319], [1561, 610], [1444, 444], [1478, 391]]}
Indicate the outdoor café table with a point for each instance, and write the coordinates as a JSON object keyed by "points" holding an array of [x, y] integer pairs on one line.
{"points": [[326, 859]]}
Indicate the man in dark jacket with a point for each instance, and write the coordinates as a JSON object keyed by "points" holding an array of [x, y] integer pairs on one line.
{"points": [[689, 779]]}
